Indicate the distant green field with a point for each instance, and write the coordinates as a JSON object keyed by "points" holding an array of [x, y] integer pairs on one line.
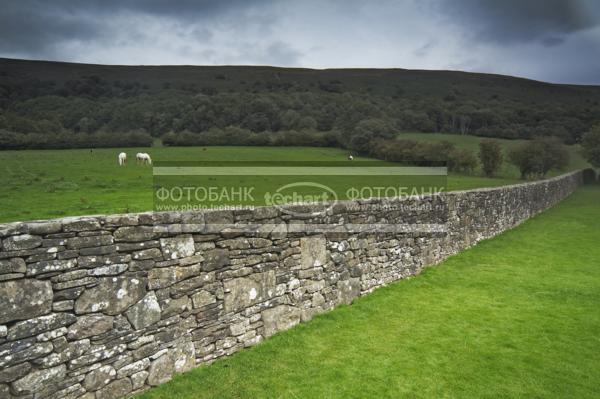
{"points": [[508, 170], [42, 184]]}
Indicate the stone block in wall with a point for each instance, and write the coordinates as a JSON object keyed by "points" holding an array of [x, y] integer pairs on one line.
{"points": [[9, 374], [109, 270], [80, 224], [24, 299], [116, 389], [243, 292], [4, 391], [72, 390], [150, 253], [89, 326], [132, 368], [11, 276], [218, 217], [177, 247], [96, 354], [52, 334], [10, 229], [34, 326], [140, 265], [184, 356], [48, 227], [121, 220], [99, 377], [95, 261], [280, 318], [313, 252], [138, 246], [185, 286], [90, 241], [12, 265], [203, 298], [348, 290], [112, 295], [15, 352], [215, 259], [50, 266], [170, 306], [21, 242], [95, 251], [69, 352], [36, 380], [179, 359], [166, 276], [144, 313], [138, 379], [160, 371], [134, 233]]}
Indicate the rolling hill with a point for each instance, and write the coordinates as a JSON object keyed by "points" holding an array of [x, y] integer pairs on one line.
{"points": [[66, 99]]}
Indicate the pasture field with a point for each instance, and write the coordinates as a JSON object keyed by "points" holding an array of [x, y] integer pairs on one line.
{"points": [[45, 184], [514, 317], [508, 170]]}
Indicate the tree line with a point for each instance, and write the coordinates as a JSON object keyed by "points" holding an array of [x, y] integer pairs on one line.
{"points": [[266, 112]]}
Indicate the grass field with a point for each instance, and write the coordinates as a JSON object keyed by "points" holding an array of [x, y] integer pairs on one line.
{"points": [[514, 317], [42, 184]]}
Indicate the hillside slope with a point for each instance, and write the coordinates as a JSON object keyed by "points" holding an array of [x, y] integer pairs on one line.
{"points": [[41, 97]]}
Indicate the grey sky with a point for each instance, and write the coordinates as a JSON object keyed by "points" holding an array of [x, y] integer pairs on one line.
{"points": [[551, 40]]}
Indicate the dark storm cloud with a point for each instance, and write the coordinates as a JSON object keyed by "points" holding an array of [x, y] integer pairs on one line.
{"points": [[37, 27], [183, 8], [553, 40], [25, 29], [515, 21]]}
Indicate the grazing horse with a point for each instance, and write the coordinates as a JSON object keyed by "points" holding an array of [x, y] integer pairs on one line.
{"points": [[143, 158], [122, 158], [350, 157]]}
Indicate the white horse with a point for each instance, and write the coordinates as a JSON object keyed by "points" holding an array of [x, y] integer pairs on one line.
{"points": [[143, 158], [122, 158]]}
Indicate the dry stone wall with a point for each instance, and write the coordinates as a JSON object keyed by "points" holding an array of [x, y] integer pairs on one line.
{"points": [[104, 307]]}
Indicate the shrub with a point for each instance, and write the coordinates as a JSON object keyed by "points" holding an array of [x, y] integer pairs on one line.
{"points": [[412, 152], [427, 153], [462, 160], [538, 156], [591, 146], [589, 176], [490, 155]]}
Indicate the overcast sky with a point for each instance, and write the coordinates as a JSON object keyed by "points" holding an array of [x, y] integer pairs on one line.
{"points": [[550, 40]]}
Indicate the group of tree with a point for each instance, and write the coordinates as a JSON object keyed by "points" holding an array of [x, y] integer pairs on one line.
{"points": [[62, 140], [533, 158], [236, 136], [356, 107], [425, 153]]}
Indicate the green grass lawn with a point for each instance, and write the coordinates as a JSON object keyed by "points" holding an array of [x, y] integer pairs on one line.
{"points": [[508, 170], [43, 184], [516, 316]]}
